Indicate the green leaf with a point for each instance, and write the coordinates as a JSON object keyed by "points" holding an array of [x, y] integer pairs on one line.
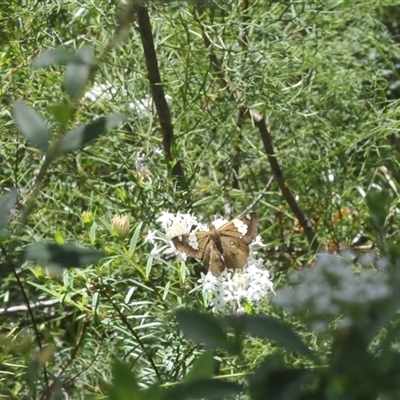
{"points": [[62, 112], [203, 389], [76, 77], [32, 125], [153, 392], [202, 368], [62, 56], [272, 380], [135, 237], [205, 329], [378, 202], [65, 256], [272, 329], [124, 383], [82, 135], [78, 73], [7, 203]]}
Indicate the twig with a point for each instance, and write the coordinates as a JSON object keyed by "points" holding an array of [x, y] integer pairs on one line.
{"points": [[67, 382], [136, 336], [283, 186], [32, 306], [259, 197], [157, 91], [30, 311], [267, 141], [73, 355], [244, 42]]}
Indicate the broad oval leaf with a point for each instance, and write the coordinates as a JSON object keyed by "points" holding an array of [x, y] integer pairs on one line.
{"points": [[76, 78], [62, 56], [203, 389], [205, 329], [62, 112], [7, 203], [203, 367], [65, 256], [32, 125], [273, 329], [82, 135], [272, 380], [78, 73], [124, 384]]}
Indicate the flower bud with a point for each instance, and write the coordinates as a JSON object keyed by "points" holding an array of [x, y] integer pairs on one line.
{"points": [[87, 219], [121, 225]]}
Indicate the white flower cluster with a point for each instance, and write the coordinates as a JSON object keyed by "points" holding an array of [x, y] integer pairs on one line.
{"points": [[233, 289], [172, 225]]}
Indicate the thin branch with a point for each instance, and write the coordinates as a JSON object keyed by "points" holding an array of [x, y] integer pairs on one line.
{"points": [[67, 382], [267, 141], [32, 306], [135, 335], [29, 309], [240, 113], [259, 197], [157, 91], [72, 357], [283, 186]]}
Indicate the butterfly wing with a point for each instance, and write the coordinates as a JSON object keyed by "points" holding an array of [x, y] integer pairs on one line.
{"points": [[213, 259], [194, 244], [236, 252], [243, 228], [236, 235], [226, 247]]}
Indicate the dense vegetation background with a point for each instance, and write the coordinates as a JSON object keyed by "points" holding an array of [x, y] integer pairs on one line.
{"points": [[322, 75]]}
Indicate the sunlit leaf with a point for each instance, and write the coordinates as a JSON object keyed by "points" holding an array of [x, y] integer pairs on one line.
{"points": [[62, 112], [135, 237]]}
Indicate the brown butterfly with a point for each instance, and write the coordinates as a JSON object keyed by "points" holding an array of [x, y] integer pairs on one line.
{"points": [[225, 247]]}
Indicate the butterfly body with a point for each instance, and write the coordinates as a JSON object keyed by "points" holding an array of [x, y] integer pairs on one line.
{"points": [[225, 247]]}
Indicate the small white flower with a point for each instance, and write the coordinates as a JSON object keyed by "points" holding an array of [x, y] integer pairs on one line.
{"points": [[139, 162], [157, 151], [175, 225], [150, 237]]}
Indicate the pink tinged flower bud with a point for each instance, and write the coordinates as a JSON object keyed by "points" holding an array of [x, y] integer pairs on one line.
{"points": [[121, 225]]}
